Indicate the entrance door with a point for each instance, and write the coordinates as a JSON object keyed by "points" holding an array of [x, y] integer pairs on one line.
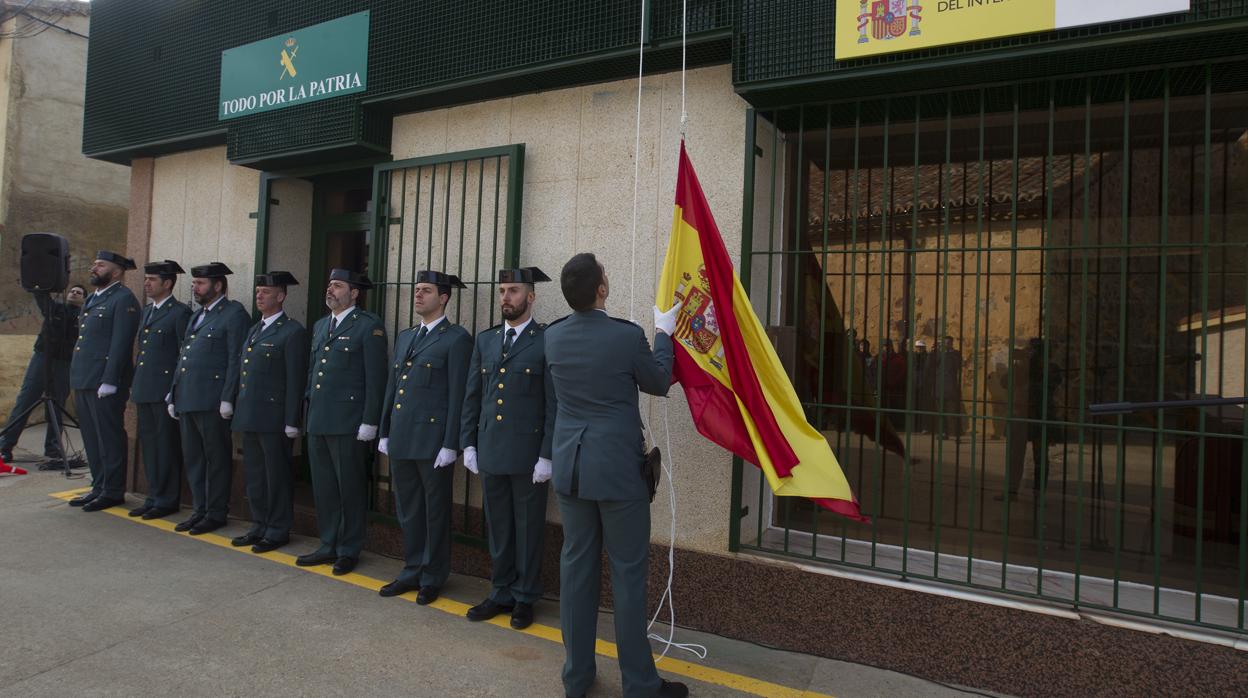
{"points": [[340, 230]]}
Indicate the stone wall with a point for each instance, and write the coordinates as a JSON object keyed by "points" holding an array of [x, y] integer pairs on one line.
{"points": [[48, 186]]}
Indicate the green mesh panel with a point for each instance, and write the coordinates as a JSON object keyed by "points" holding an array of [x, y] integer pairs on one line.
{"points": [[154, 65]]}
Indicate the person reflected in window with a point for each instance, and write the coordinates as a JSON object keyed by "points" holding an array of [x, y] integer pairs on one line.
{"points": [[1041, 388], [893, 366], [947, 390]]}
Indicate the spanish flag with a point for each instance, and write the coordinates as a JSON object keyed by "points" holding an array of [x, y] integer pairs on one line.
{"points": [[738, 392]]}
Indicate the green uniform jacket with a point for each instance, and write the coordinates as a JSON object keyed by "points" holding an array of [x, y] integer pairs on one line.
{"points": [[598, 364], [273, 378], [509, 406], [160, 339], [207, 372], [104, 351], [346, 374], [425, 392]]}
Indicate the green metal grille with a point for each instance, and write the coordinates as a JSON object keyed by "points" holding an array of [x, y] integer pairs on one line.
{"points": [[458, 213], [1077, 241]]}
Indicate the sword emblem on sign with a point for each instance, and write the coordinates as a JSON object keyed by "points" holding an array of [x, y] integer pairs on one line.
{"points": [[288, 59]]}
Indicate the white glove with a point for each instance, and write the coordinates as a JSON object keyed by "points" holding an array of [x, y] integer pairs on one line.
{"points": [[445, 457], [292, 432], [470, 459], [541, 471], [384, 445], [665, 321], [227, 410], [106, 390], [367, 432], [172, 411]]}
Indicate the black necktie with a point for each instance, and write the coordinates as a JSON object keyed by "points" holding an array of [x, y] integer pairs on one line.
{"points": [[511, 339], [420, 334], [333, 322]]}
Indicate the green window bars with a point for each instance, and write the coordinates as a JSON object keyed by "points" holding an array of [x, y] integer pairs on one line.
{"points": [[954, 277]]}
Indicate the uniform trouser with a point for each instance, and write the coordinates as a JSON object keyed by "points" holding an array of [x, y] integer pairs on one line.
{"points": [[624, 527], [422, 502], [270, 485], [515, 511], [340, 487], [29, 394], [206, 447], [161, 447], [102, 422], [1017, 437]]}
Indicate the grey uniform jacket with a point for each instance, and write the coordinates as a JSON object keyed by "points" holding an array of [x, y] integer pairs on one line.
{"points": [[597, 364], [346, 374], [105, 348], [509, 404], [425, 392], [207, 372], [272, 380], [160, 339]]}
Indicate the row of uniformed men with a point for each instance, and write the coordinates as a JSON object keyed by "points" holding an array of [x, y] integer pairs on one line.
{"points": [[198, 376]]}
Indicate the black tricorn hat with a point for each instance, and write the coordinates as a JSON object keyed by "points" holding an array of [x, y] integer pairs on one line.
{"points": [[120, 260], [277, 278], [523, 275], [214, 270], [165, 268], [437, 278], [355, 279]]}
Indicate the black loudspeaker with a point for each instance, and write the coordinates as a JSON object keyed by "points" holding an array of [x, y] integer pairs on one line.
{"points": [[45, 262]]}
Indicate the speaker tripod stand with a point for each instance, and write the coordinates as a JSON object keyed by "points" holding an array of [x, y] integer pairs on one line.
{"points": [[57, 420], [57, 416]]}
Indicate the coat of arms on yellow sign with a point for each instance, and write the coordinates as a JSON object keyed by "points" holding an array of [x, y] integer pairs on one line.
{"points": [[872, 27]]}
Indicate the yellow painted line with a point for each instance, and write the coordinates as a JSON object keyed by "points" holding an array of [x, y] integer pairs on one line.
{"points": [[697, 672]]}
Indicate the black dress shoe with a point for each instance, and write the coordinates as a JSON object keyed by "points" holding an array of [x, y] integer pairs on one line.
{"points": [[265, 545], [522, 616], [427, 596], [343, 565], [158, 513], [247, 538], [486, 610], [189, 523], [80, 501], [315, 558], [101, 503], [396, 588], [672, 689], [205, 526], [139, 511]]}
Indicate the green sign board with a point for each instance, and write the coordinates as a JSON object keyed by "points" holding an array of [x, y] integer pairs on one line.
{"points": [[324, 60]]}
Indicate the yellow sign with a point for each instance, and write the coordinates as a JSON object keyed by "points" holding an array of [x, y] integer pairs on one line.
{"points": [[873, 27]]}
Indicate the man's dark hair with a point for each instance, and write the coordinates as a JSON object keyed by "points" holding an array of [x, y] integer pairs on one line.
{"points": [[225, 285], [171, 278], [580, 279]]}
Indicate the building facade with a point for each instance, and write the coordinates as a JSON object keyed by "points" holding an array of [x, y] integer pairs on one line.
{"points": [[965, 252], [46, 185]]}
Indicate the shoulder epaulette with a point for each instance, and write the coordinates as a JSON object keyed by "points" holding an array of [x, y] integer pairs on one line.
{"points": [[552, 323], [626, 322]]}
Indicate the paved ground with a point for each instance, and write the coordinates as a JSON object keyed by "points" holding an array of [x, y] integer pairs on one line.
{"points": [[99, 604]]}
